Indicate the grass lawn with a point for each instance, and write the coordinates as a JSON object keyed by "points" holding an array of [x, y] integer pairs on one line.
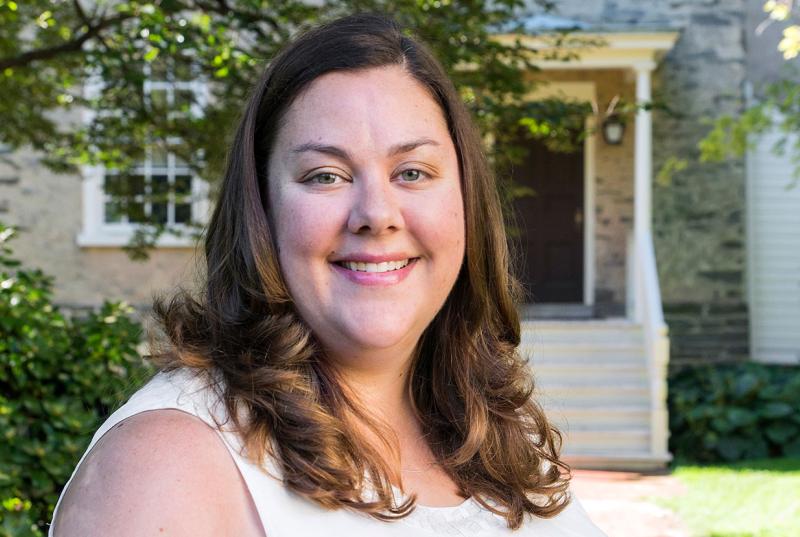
{"points": [[746, 499]]}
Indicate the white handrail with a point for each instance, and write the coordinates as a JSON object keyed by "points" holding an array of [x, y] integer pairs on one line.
{"points": [[644, 303]]}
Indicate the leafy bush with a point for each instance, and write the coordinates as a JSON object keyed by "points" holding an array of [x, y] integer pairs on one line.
{"points": [[59, 378], [735, 411]]}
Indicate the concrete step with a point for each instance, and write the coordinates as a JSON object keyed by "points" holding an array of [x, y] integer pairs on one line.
{"points": [[555, 372], [621, 416], [592, 332], [641, 461], [592, 380], [587, 440], [584, 353], [585, 394]]}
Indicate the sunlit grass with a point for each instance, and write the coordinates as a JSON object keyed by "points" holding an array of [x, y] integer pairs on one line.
{"points": [[747, 499]]}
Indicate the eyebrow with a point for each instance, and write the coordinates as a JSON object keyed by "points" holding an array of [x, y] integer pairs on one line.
{"points": [[397, 149]]}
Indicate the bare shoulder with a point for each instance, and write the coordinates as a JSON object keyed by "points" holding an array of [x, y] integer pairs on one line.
{"points": [[160, 472]]}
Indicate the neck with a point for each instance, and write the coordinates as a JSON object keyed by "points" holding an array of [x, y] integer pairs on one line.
{"points": [[383, 391]]}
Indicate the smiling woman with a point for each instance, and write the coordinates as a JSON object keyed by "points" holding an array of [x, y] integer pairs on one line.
{"points": [[334, 236], [350, 367]]}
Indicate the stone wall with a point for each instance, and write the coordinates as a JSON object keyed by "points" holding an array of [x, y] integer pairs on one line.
{"points": [[47, 208]]}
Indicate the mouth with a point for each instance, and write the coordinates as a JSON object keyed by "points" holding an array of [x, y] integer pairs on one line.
{"points": [[384, 266]]}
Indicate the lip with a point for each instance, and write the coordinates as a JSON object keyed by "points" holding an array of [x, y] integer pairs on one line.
{"points": [[391, 277]]}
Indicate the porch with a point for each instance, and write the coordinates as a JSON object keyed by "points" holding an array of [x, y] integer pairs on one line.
{"points": [[596, 337]]}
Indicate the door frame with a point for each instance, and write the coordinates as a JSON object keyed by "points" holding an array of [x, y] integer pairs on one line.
{"points": [[584, 91]]}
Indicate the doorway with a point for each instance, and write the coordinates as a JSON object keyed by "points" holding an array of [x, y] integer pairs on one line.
{"points": [[550, 224]]}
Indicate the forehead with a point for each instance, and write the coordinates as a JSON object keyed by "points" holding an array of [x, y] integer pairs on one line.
{"points": [[376, 106]]}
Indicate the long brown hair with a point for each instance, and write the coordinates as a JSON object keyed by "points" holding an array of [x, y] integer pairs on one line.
{"points": [[469, 385]]}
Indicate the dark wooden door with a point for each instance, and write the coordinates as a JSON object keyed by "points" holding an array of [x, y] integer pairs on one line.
{"points": [[550, 224]]}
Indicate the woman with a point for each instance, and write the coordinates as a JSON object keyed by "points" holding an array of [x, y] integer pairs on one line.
{"points": [[354, 349]]}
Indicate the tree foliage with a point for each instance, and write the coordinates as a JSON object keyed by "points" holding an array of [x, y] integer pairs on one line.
{"points": [[75, 55], [60, 376]]}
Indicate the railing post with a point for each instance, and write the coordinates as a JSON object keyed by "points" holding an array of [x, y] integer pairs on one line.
{"points": [[631, 292]]}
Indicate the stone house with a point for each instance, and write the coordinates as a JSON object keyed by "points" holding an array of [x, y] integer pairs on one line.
{"points": [[625, 275]]}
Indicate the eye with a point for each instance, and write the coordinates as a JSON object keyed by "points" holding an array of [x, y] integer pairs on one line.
{"points": [[325, 178], [412, 175]]}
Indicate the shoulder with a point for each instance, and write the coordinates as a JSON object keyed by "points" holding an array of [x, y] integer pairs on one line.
{"points": [[159, 471]]}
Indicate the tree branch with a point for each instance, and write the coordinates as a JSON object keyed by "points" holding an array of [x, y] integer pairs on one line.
{"points": [[82, 13], [222, 7], [68, 47]]}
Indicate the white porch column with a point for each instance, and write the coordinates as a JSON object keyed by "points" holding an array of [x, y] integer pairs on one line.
{"points": [[643, 157], [643, 179]]}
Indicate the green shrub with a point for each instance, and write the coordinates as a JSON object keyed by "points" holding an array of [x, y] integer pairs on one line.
{"points": [[734, 412], [59, 378]]}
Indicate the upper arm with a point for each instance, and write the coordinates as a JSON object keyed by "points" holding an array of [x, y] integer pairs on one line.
{"points": [[162, 472]]}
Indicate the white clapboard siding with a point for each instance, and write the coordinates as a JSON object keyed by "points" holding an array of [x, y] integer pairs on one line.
{"points": [[773, 242]]}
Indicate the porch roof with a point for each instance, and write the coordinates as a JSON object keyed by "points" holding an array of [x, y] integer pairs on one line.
{"points": [[584, 45]]}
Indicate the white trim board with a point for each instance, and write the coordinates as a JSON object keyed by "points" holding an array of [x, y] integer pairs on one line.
{"points": [[616, 50]]}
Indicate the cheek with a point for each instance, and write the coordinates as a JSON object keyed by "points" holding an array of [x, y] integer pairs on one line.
{"points": [[304, 229], [442, 229]]}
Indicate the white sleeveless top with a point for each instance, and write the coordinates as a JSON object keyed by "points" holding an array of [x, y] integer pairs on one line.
{"points": [[286, 514]]}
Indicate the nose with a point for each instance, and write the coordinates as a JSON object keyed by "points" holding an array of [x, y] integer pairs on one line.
{"points": [[376, 208]]}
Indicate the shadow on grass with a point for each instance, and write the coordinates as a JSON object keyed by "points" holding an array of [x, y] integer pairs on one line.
{"points": [[744, 534], [766, 465]]}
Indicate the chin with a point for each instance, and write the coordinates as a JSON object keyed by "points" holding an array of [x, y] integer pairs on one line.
{"points": [[380, 333]]}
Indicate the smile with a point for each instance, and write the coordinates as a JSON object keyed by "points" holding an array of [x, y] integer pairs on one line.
{"points": [[385, 273], [386, 266]]}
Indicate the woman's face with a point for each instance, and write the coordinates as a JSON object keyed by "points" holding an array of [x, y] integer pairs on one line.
{"points": [[365, 195]]}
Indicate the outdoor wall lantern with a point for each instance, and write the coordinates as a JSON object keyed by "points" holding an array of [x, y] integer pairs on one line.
{"points": [[613, 126], [613, 129]]}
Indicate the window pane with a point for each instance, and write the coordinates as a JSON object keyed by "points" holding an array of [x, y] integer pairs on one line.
{"points": [[183, 101], [158, 68], [113, 212], [159, 213], [123, 186], [160, 187], [159, 198], [158, 156], [183, 69], [111, 185], [183, 185], [183, 213], [158, 100], [134, 185], [136, 211]]}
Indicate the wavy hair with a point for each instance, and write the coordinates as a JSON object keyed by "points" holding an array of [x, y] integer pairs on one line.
{"points": [[471, 389]]}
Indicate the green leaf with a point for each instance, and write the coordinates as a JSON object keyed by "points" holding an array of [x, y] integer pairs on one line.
{"points": [[746, 384], [740, 417], [792, 449], [781, 432], [151, 54], [731, 448], [776, 410]]}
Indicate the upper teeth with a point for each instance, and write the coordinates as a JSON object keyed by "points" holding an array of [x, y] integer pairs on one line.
{"points": [[376, 267]]}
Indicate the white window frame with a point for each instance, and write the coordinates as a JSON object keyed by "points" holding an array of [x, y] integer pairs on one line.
{"points": [[95, 231]]}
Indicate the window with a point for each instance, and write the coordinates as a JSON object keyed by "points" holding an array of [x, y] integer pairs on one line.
{"points": [[160, 189]]}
